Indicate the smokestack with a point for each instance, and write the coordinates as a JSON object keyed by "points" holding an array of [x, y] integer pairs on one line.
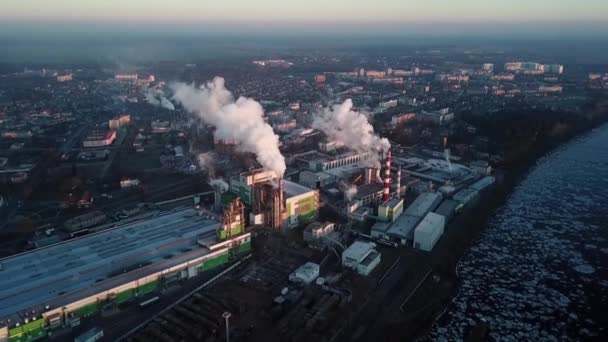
{"points": [[282, 194], [387, 177], [399, 181], [368, 175], [217, 199]]}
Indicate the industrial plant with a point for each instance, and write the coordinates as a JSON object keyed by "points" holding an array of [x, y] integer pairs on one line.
{"points": [[57, 286], [292, 207]]}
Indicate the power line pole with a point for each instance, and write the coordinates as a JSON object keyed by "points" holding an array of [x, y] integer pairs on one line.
{"points": [[226, 316]]}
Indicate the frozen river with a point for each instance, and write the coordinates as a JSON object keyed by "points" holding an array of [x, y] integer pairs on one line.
{"points": [[539, 272]]}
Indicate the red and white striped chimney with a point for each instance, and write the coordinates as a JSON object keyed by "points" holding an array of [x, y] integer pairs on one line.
{"points": [[387, 178]]}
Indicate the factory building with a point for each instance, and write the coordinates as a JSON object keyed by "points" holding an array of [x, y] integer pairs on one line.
{"points": [[319, 235], [275, 202], [121, 121], [368, 193], [268, 205], [402, 228], [402, 118], [316, 180], [466, 196], [438, 117], [64, 78], [99, 138], [330, 146], [361, 257], [329, 163], [553, 69], [48, 287], [423, 204], [428, 231], [159, 127], [242, 184], [233, 220], [305, 274], [481, 167], [225, 145], [390, 210], [126, 77], [301, 204], [83, 222], [483, 183], [448, 209]]}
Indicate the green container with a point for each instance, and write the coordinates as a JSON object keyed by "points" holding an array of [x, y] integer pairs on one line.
{"points": [[147, 288], [87, 310]]}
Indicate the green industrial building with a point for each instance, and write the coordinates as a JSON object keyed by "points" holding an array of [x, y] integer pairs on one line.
{"points": [[49, 287]]}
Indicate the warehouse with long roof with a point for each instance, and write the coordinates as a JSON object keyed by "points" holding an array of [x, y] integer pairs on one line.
{"points": [[43, 288]]}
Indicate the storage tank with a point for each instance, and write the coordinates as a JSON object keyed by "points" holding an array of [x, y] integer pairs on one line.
{"points": [[428, 231]]}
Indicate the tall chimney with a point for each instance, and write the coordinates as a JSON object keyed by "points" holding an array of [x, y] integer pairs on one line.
{"points": [[217, 198], [387, 178], [399, 181]]}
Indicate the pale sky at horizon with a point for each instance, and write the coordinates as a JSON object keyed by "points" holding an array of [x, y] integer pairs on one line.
{"points": [[297, 11]]}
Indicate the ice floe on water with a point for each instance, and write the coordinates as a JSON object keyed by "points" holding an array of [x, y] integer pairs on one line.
{"points": [[584, 268], [538, 272]]}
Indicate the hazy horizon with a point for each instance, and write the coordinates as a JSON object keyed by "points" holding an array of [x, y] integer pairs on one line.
{"points": [[398, 18], [41, 31], [305, 11]]}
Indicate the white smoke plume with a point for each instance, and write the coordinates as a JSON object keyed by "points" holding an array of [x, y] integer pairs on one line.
{"points": [[219, 183], [165, 103], [156, 97], [350, 192], [351, 128], [151, 97], [205, 161], [241, 120]]}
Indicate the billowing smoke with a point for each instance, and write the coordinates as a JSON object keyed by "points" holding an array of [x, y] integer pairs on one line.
{"points": [[165, 103], [241, 120], [220, 184], [156, 97], [206, 163], [350, 192], [151, 97], [351, 128]]}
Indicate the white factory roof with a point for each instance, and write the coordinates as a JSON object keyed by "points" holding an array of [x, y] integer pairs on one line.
{"points": [[68, 271], [307, 272], [444, 166], [295, 189], [358, 250], [430, 223]]}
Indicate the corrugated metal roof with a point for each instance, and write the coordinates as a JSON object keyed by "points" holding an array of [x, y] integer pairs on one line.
{"points": [[403, 227], [424, 203], [44, 274]]}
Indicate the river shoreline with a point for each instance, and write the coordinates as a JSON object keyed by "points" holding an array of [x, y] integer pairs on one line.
{"points": [[472, 224]]}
